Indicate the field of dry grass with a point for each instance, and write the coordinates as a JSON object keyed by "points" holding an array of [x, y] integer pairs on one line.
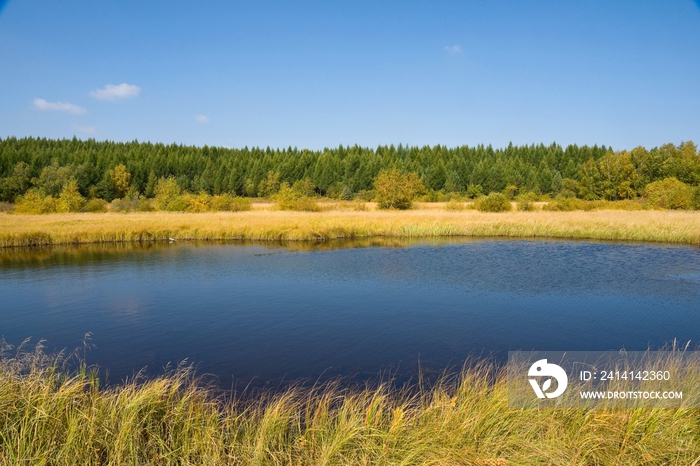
{"points": [[261, 224]]}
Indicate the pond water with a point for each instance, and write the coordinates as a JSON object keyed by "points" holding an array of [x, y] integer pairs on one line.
{"points": [[262, 314]]}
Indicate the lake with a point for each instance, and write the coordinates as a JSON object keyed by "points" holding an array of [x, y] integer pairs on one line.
{"points": [[264, 314]]}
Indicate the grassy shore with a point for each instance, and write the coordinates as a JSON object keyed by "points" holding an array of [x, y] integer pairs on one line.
{"points": [[266, 225], [48, 417]]}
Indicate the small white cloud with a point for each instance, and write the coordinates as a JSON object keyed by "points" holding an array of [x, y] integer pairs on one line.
{"points": [[453, 49], [203, 119], [112, 92], [41, 104], [85, 129]]}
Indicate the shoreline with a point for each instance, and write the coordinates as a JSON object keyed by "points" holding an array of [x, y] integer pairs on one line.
{"points": [[673, 227]]}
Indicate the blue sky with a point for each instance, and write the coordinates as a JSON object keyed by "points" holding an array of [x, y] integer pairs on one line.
{"points": [[314, 74]]}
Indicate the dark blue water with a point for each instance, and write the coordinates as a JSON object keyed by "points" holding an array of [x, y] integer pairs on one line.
{"points": [[268, 313]]}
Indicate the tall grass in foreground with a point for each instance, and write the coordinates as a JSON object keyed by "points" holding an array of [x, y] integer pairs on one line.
{"points": [[48, 416]]}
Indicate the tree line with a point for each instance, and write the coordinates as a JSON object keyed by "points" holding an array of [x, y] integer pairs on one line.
{"points": [[112, 170]]}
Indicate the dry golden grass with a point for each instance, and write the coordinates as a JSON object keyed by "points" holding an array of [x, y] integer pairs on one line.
{"points": [[264, 225], [50, 416]]}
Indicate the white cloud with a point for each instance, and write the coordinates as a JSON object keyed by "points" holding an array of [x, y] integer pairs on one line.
{"points": [[112, 92], [41, 104], [202, 119], [453, 49], [85, 129]]}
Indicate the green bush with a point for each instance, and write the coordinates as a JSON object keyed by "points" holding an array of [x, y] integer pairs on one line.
{"points": [[120, 179], [228, 203], [396, 189], [221, 202], [270, 185], [568, 204], [178, 204], [95, 205], [34, 202], [525, 205], [696, 198], [240, 204], [145, 204], [166, 192], [437, 196], [453, 205], [494, 202], [528, 196], [307, 204], [563, 204], [286, 197], [290, 199], [430, 196], [304, 187], [199, 203], [474, 191], [526, 201], [670, 193], [570, 188], [303, 203], [510, 192], [122, 205], [70, 199]]}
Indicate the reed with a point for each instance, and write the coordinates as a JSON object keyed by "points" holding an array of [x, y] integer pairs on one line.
{"points": [[51, 416], [267, 225]]}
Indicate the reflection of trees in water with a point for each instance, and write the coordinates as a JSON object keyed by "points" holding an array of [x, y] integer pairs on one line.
{"points": [[90, 253], [71, 254], [530, 266]]}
